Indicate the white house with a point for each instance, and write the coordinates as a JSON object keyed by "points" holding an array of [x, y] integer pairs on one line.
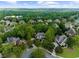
{"points": [[68, 25], [22, 22], [19, 17], [7, 17], [49, 20], [61, 39], [40, 20], [57, 21], [32, 21], [14, 40], [71, 32], [40, 35]]}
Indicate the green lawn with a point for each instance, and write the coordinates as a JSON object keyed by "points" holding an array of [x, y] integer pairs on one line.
{"points": [[70, 53]]}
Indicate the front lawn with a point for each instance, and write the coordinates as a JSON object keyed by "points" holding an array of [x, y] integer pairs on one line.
{"points": [[70, 53]]}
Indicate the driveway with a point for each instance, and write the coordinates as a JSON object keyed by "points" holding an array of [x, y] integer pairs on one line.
{"points": [[27, 53]]}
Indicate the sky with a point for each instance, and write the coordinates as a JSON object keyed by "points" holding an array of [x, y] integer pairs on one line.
{"points": [[39, 4]]}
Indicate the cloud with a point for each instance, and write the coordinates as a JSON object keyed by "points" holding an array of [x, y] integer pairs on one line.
{"points": [[47, 3], [41, 4], [59, 4]]}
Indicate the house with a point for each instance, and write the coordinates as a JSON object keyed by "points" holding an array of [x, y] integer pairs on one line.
{"points": [[40, 20], [61, 39], [68, 25], [32, 21], [40, 35], [2, 22], [22, 41], [13, 17], [57, 21], [56, 25], [13, 24], [64, 20], [77, 28], [49, 20], [71, 32], [7, 22], [8, 17], [77, 21], [19, 17], [22, 22], [14, 40]]}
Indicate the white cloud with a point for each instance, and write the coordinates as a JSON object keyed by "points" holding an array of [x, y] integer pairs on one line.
{"points": [[11, 1], [47, 3], [54, 4]]}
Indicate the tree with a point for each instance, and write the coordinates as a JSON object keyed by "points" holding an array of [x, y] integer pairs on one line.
{"points": [[37, 53], [2, 28], [48, 45], [30, 32], [38, 43], [58, 49], [76, 40], [6, 50], [2, 36], [17, 50], [29, 43], [25, 31], [1, 41], [59, 31], [50, 34], [70, 42], [62, 27], [40, 27], [21, 30]]}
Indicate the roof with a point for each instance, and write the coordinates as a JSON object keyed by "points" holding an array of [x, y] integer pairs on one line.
{"points": [[40, 20], [7, 17], [57, 21], [49, 20], [40, 35], [11, 39], [61, 38], [32, 21], [71, 31]]}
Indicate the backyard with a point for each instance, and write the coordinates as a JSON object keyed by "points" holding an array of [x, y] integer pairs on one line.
{"points": [[70, 53]]}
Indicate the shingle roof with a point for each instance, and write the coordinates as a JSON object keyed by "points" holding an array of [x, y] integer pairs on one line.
{"points": [[60, 39]]}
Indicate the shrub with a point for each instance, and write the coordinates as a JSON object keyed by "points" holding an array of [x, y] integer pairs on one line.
{"points": [[37, 43], [58, 49], [29, 43]]}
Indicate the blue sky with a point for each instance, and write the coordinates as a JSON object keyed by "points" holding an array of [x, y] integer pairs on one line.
{"points": [[39, 4]]}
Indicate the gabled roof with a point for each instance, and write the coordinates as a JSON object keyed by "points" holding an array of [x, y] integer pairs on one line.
{"points": [[40, 35], [71, 31], [60, 38], [11, 39]]}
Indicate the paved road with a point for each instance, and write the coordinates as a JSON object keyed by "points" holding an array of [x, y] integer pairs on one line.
{"points": [[50, 56], [27, 53]]}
